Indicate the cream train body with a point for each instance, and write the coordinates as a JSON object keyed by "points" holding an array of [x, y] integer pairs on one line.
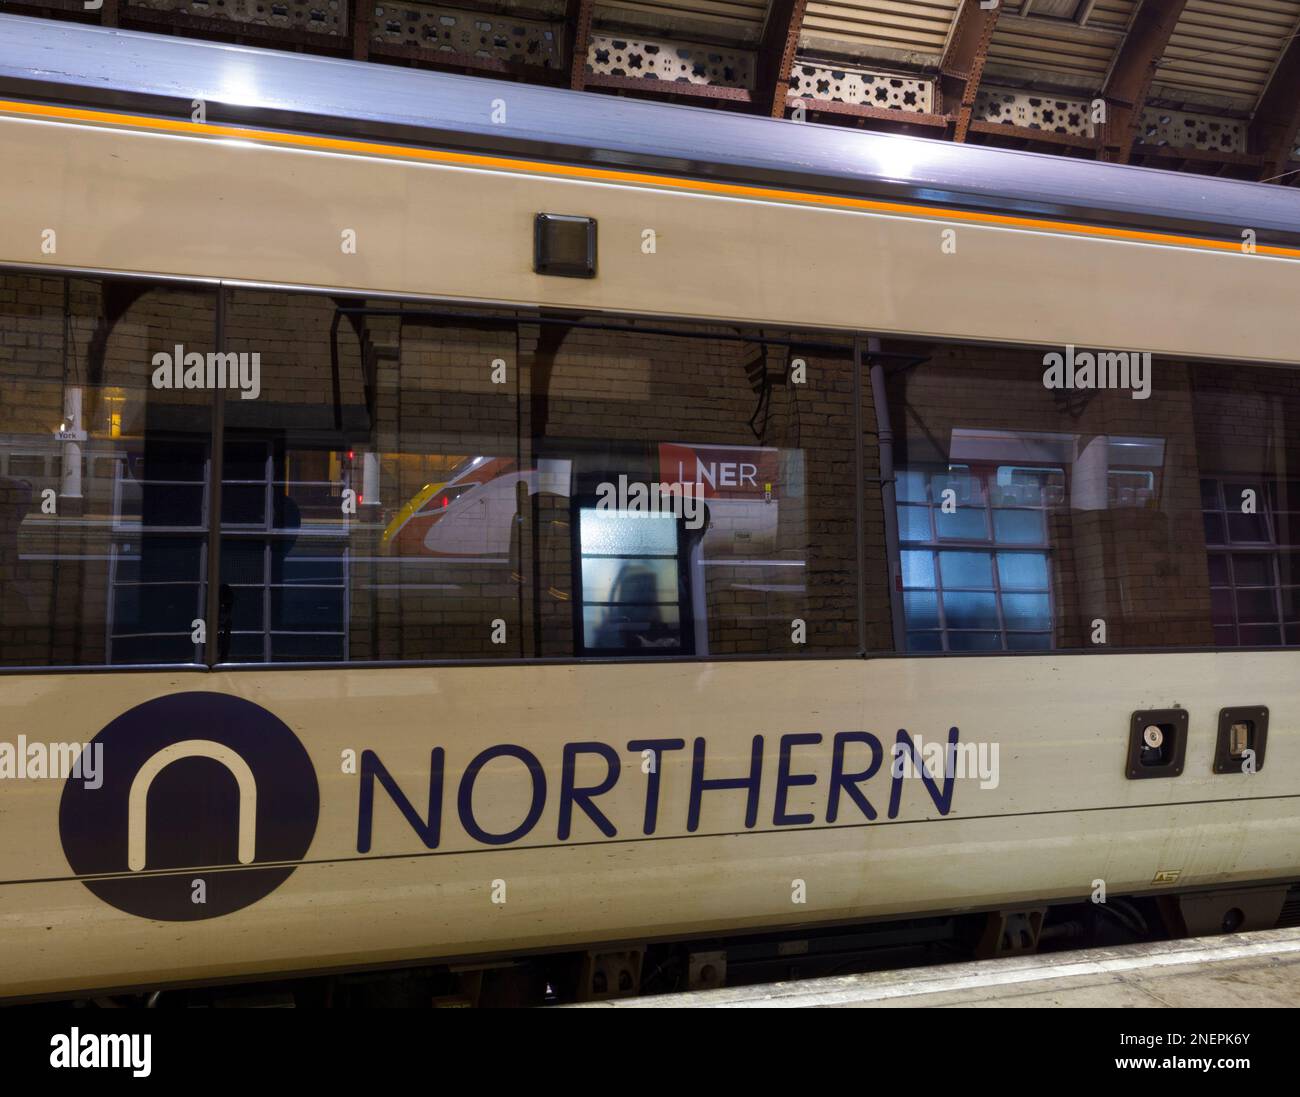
{"points": [[1062, 816]]}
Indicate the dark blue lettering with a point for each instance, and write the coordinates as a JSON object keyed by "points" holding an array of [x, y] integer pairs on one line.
{"points": [[659, 747], [699, 785], [570, 794], [465, 795], [785, 781], [942, 801], [371, 769], [848, 782]]}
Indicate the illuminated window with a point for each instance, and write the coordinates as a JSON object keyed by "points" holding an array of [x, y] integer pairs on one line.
{"points": [[632, 598], [974, 557]]}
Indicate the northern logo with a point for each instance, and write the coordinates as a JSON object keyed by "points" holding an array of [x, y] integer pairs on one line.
{"points": [[197, 787]]}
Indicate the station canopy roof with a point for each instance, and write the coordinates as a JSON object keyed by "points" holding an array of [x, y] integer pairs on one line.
{"points": [[1203, 86]]}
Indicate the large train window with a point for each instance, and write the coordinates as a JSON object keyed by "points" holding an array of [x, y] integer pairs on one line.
{"points": [[104, 471], [696, 493], [1032, 515], [369, 489], [1248, 449]]}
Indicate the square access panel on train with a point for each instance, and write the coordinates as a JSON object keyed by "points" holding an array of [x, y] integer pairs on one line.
{"points": [[1157, 743], [1243, 734], [564, 246]]}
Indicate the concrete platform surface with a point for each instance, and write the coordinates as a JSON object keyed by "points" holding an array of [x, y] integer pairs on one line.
{"points": [[1235, 970]]}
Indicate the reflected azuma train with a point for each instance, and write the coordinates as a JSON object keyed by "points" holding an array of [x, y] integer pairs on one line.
{"points": [[472, 513], [411, 530]]}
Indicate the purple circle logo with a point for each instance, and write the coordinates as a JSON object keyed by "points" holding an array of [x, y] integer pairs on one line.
{"points": [[206, 805]]}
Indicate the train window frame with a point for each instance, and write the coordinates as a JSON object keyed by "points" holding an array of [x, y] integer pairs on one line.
{"points": [[145, 282], [624, 320]]}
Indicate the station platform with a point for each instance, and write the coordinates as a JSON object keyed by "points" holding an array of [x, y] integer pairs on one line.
{"points": [[1236, 971]]}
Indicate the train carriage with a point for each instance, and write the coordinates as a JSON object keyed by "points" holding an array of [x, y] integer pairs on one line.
{"points": [[452, 522]]}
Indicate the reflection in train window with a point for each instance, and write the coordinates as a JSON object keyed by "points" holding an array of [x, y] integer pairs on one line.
{"points": [[285, 552], [1029, 521], [1254, 570], [730, 458], [400, 484], [993, 594], [1032, 518], [633, 599], [1248, 449], [103, 473], [369, 493]]}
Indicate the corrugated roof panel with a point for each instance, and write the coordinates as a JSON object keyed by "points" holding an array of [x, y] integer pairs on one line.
{"points": [[738, 20], [1226, 49], [1058, 46], [1112, 14], [862, 27]]}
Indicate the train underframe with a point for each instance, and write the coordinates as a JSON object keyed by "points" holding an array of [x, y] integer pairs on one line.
{"points": [[628, 969]]}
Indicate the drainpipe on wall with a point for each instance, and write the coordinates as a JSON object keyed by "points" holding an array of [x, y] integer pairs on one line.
{"points": [[888, 490]]}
